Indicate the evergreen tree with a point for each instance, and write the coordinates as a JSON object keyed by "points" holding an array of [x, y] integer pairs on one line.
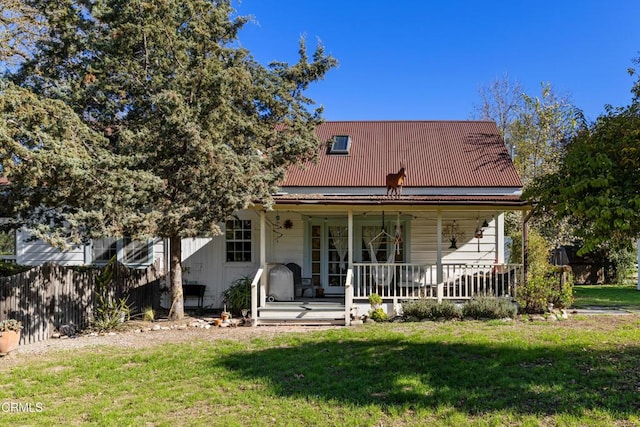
{"points": [[189, 126]]}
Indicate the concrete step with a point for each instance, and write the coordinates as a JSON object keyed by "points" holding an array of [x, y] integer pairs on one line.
{"points": [[301, 313]]}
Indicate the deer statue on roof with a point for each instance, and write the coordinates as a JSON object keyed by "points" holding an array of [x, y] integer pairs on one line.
{"points": [[395, 181]]}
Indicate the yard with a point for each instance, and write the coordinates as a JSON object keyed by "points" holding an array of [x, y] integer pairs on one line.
{"points": [[583, 371], [607, 296]]}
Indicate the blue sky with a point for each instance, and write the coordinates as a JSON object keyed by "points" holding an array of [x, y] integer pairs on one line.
{"points": [[426, 60]]}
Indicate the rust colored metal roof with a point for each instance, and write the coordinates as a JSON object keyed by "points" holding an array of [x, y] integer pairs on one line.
{"points": [[4, 180], [436, 154]]}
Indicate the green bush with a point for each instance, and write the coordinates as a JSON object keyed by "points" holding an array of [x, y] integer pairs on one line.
{"points": [[534, 295], [378, 315], [487, 307], [238, 295], [375, 300], [562, 290], [110, 313], [431, 310], [622, 261], [544, 283]]}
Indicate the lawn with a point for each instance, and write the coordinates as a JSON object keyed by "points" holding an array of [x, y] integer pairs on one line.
{"points": [[619, 296], [583, 371]]}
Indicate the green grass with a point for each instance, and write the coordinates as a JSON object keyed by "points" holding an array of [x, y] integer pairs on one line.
{"points": [[574, 373], [619, 296]]}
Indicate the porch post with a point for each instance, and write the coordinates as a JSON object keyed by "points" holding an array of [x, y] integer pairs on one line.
{"points": [[350, 236], [440, 285], [263, 258], [348, 291], [500, 239]]}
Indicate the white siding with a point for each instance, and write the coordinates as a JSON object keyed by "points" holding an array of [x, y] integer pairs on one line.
{"points": [[287, 245], [205, 262], [423, 239], [37, 252]]}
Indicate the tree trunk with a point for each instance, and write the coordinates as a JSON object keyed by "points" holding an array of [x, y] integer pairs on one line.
{"points": [[175, 261]]}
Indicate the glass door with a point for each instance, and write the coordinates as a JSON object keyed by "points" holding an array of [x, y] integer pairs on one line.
{"points": [[337, 258], [329, 255]]}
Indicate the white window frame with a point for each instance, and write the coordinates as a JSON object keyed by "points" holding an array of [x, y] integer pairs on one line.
{"points": [[121, 253], [99, 242], [246, 227]]}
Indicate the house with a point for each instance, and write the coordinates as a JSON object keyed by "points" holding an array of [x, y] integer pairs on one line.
{"points": [[441, 236]]}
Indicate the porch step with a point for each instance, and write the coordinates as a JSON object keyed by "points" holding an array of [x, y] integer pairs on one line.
{"points": [[308, 313]]}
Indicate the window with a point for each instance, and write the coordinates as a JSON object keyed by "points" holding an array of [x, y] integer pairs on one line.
{"points": [[341, 144], [135, 251], [104, 249], [126, 250], [238, 236]]}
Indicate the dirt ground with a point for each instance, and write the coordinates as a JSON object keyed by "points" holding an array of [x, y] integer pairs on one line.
{"points": [[138, 334]]}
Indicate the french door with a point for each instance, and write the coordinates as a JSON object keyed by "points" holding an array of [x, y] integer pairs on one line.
{"points": [[329, 250]]}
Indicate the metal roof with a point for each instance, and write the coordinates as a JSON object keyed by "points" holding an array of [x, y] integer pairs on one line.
{"points": [[436, 154]]}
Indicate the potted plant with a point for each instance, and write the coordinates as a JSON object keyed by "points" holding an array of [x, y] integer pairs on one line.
{"points": [[377, 313], [9, 335]]}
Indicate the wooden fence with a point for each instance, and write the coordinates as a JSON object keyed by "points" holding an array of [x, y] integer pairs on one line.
{"points": [[50, 296]]}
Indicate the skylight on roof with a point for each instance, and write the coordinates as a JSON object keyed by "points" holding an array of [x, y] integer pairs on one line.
{"points": [[341, 144]]}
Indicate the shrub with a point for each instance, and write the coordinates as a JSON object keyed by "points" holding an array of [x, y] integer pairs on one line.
{"points": [[487, 307], [622, 261], [110, 313], [238, 295], [562, 290], [148, 314], [378, 315], [534, 295], [545, 283], [431, 310], [375, 300]]}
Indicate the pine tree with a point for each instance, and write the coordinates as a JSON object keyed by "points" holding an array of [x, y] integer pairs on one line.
{"points": [[190, 126]]}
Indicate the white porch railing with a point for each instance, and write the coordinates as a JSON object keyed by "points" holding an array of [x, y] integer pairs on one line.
{"points": [[254, 296], [412, 281], [348, 297]]}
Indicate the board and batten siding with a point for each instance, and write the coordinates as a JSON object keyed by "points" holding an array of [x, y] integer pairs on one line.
{"points": [[285, 245], [205, 262], [423, 240]]}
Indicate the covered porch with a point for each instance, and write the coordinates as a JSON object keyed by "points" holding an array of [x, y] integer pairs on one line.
{"points": [[441, 253]]}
